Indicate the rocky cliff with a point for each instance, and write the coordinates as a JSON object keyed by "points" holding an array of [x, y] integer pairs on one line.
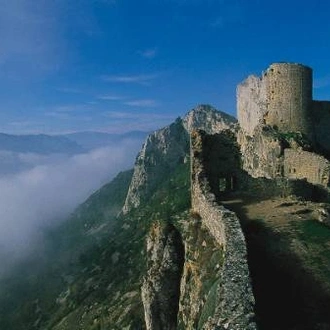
{"points": [[164, 149], [161, 287]]}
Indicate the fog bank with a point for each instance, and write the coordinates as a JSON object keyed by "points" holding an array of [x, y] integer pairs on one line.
{"points": [[47, 193]]}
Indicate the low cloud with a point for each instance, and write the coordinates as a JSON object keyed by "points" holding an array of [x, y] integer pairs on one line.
{"points": [[139, 79], [148, 53], [45, 194], [109, 97], [142, 103]]}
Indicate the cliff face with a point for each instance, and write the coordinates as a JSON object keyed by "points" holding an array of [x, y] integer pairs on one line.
{"points": [[208, 119], [262, 153], [161, 287], [164, 149]]}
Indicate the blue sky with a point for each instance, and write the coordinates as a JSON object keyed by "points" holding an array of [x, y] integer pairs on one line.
{"points": [[121, 65]]}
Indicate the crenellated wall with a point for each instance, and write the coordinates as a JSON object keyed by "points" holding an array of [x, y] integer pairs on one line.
{"points": [[235, 308]]}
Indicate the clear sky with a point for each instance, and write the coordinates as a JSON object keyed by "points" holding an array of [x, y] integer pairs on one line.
{"points": [[121, 65]]}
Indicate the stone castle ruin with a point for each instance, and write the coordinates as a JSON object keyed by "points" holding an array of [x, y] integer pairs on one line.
{"points": [[281, 147], [284, 132]]}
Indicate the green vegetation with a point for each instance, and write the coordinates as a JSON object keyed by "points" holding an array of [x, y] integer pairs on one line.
{"points": [[316, 238], [296, 137], [29, 293], [172, 196], [93, 263], [210, 304], [311, 231]]}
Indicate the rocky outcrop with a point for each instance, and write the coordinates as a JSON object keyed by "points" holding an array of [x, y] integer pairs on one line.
{"points": [[164, 149], [262, 153], [208, 119], [201, 274], [161, 286]]}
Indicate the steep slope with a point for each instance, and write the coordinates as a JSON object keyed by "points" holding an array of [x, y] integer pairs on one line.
{"points": [[95, 268], [31, 294], [164, 149]]}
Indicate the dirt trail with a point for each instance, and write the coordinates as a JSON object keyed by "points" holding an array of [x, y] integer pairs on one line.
{"points": [[289, 260]]}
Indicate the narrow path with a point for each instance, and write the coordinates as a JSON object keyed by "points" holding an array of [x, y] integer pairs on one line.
{"points": [[292, 291]]}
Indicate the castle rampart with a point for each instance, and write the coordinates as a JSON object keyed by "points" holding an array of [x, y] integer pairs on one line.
{"points": [[276, 113], [236, 299]]}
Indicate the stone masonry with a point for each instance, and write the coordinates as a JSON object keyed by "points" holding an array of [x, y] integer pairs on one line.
{"points": [[299, 164], [283, 132], [235, 309], [282, 98]]}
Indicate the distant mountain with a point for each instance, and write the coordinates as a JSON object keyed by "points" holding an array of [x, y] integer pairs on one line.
{"points": [[40, 144], [92, 140]]}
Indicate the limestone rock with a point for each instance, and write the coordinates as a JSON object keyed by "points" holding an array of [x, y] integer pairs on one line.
{"points": [[164, 149], [262, 153], [161, 286], [208, 119]]}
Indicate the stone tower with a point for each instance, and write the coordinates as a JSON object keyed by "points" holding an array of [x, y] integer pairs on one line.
{"points": [[281, 97], [289, 98]]}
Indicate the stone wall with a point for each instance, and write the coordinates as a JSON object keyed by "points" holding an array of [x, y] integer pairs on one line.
{"points": [[235, 310], [299, 164]]}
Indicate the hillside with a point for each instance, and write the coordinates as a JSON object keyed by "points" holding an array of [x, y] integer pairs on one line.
{"points": [[158, 248]]}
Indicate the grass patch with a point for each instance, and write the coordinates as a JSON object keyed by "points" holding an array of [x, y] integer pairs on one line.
{"points": [[311, 231], [210, 304]]}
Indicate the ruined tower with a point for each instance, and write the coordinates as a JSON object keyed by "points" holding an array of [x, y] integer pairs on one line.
{"points": [[281, 97], [288, 90]]}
